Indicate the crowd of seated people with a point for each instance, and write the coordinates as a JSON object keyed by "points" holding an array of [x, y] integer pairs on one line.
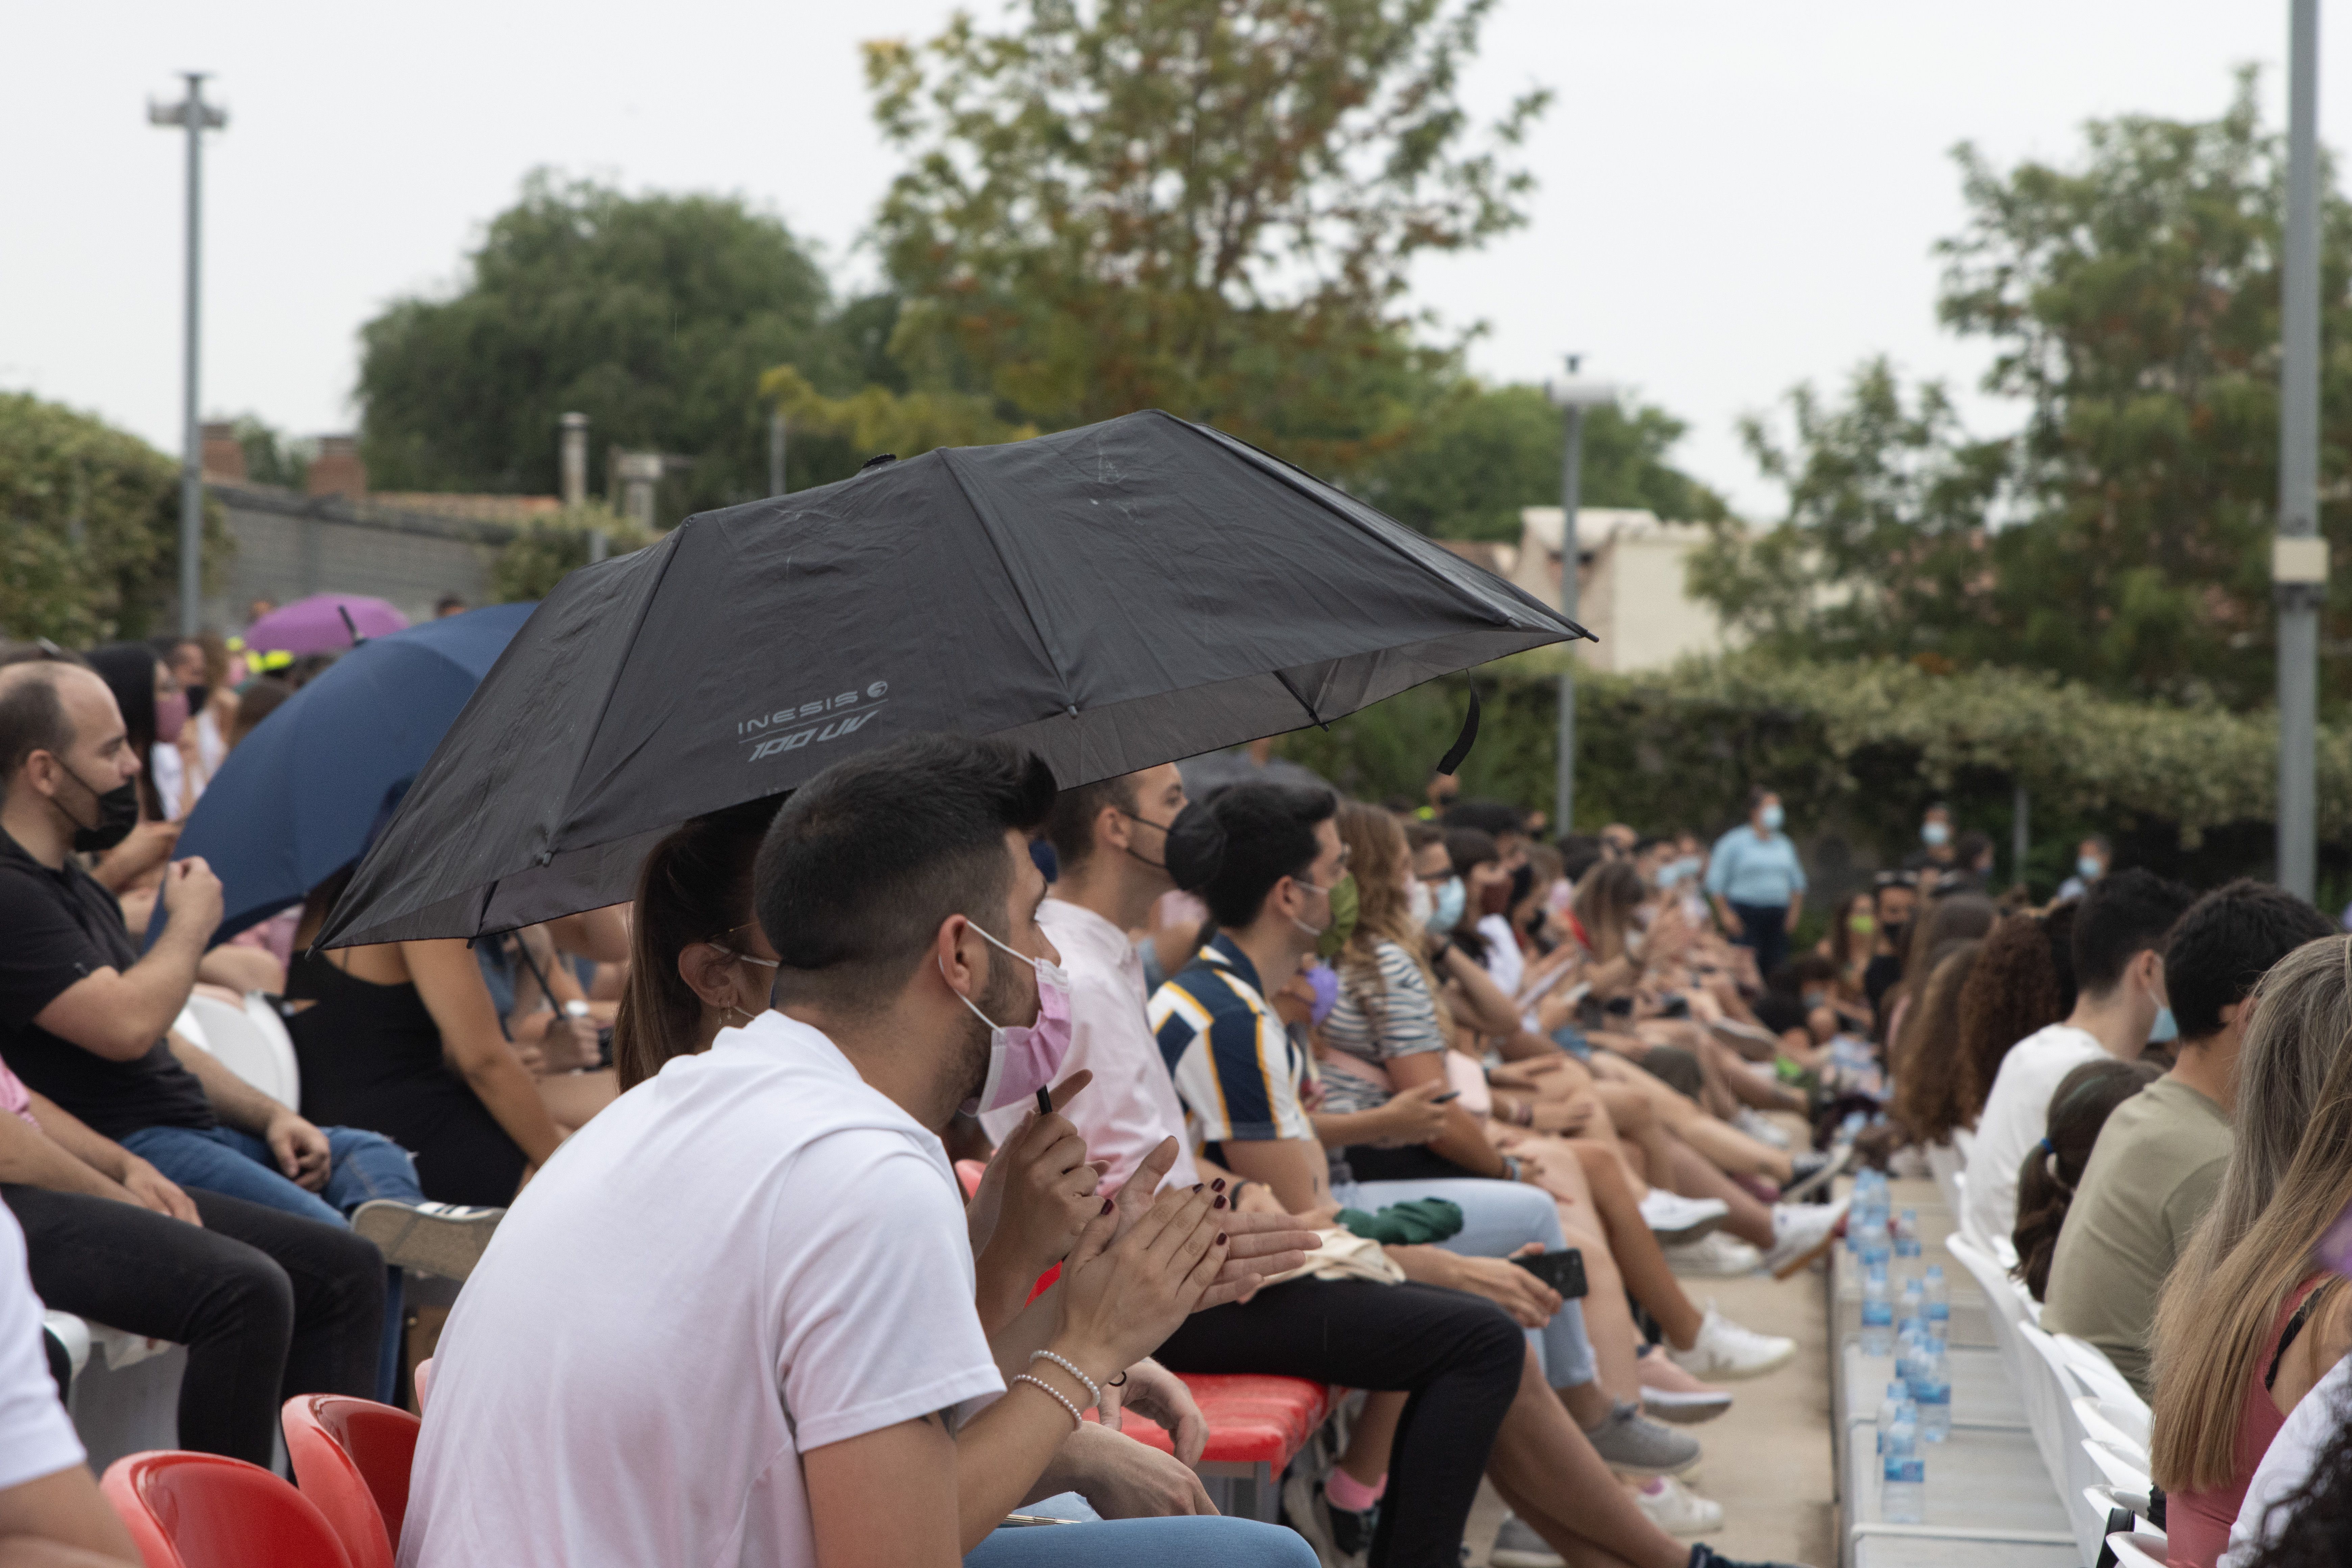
{"points": [[1273, 1082], [2155, 1090]]}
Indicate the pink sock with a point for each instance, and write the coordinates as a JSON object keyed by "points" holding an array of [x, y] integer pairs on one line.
{"points": [[1652, 1486], [1344, 1491]]}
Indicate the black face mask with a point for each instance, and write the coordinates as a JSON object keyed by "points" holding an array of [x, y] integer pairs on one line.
{"points": [[117, 813], [1195, 847], [199, 695]]}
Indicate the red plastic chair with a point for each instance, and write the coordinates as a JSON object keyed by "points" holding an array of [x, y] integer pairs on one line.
{"points": [[201, 1510], [1257, 1423], [352, 1459]]}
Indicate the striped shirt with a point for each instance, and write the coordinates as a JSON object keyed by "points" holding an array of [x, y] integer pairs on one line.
{"points": [[1378, 1024], [1236, 1067]]}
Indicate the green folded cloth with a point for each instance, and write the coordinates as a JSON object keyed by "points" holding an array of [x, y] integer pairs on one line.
{"points": [[1406, 1225]]}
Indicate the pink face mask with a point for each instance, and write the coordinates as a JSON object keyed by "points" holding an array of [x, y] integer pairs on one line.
{"points": [[171, 716], [1023, 1061]]}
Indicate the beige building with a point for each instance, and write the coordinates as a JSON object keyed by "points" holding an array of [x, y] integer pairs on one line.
{"points": [[1630, 588]]}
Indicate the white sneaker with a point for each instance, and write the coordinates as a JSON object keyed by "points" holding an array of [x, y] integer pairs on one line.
{"points": [[1797, 1228], [1750, 1121], [1724, 1350], [1673, 1217], [1516, 1546], [1719, 1255], [1685, 1409], [1678, 1510]]}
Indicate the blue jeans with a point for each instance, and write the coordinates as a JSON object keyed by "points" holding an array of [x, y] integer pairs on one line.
{"points": [[1499, 1219], [236, 1164], [1186, 1542]]}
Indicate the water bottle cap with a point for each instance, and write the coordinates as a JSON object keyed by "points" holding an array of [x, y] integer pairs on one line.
{"points": [[1895, 1391]]}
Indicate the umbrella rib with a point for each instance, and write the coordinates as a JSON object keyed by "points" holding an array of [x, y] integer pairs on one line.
{"points": [[988, 528]]}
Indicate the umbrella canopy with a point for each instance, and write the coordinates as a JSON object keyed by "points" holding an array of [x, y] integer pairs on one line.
{"points": [[294, 802], [1110, 597], [315, 625]]}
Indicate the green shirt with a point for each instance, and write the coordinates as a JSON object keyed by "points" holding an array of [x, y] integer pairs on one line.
{"points": [[2155, 1170]]}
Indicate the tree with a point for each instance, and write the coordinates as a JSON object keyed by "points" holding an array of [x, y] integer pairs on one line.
{"points": [[1886, 548], [1208, 206], [1482, 453], [547, 550], [2122, 537], [90, 527], [654, 315]]}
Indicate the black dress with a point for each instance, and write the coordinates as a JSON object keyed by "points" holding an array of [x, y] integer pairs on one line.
{"points": [[370, 1057]]}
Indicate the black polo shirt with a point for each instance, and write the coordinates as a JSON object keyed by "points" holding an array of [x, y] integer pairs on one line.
{"points": [[56, 928]]}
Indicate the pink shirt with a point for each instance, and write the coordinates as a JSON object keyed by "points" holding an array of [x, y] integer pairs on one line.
{"points": [[1131, 1104]]}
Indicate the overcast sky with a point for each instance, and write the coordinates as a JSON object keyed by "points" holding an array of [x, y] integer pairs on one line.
{"points": [[1735, 198]]}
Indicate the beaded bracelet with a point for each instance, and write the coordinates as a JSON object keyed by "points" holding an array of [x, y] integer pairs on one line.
{"points": [[1094, 1392], [1056, 1394]]}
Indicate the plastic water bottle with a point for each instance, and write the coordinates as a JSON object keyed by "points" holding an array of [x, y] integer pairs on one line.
{"points": [[1903, 1474], [1876, 1249], [1932, 1390], [1912, 1318], [1889, 1407], [1877, 1314], [1939, 1299], [1907, 1234]]}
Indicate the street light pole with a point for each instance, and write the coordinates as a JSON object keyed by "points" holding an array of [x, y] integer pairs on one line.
{"points": [[197, 117], [2298, 554], [1573, 394]]}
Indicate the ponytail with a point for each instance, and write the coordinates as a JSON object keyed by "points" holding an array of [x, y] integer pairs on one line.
{"points": [[694, 886], [2053, 1167]]}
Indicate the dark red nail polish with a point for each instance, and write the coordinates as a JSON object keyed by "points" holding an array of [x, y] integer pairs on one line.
{"points": [[1221, 1238], [1218, 1205], [1105, 1208], [1196, 1186], [1218, 1185]]}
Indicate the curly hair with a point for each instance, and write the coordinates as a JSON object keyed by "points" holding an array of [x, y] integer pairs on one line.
{"points": [[2053, 1169], [1925, 1056], [2317, 1530], [2014, 992]]}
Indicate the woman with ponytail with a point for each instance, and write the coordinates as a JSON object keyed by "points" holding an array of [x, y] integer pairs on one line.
{"points": [[2048, 1177], [698, 959]]}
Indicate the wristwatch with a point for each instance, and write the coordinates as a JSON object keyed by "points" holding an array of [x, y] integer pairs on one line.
{"points": [[575, 1008]]}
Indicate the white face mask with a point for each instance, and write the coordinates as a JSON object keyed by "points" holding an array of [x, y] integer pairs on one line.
{"points": [[734, 957], [1418, 902]]}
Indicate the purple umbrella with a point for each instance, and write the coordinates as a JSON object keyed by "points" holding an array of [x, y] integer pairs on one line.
{"points": [[315, 625]]}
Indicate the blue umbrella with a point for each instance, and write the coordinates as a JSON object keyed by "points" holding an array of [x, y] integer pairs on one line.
{"points": [[295, 802]]}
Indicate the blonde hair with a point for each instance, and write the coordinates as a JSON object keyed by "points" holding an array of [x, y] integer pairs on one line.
{"points": [[2289, 1177], [1379, 858]]}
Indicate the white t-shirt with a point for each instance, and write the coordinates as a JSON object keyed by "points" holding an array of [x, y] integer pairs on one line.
{"points": [[36, 1437], [2310, 1426], [2016, 1117], [1506, 965], [1131, 1104], [752, 1256]]}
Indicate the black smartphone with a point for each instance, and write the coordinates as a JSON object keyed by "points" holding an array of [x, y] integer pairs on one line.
{"points": [[1442, 1098], [1562, 1270]]}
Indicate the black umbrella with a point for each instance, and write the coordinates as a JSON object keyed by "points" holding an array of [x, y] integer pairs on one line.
{"points": [[1111, 597]]}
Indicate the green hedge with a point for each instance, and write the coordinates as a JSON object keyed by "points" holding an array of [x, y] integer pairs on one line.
{"points": [[1857, 750]]}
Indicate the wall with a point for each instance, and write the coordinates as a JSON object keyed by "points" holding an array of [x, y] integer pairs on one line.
{"points": [[1630, 588], [288, 546]]}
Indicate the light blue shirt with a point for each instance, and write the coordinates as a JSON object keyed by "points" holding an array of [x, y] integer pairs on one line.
{"points": [[1747, 870]]}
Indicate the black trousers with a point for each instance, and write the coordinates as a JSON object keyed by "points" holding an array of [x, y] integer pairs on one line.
{"points": [[1764, 928], [269, 1305], [1457, 1355]]}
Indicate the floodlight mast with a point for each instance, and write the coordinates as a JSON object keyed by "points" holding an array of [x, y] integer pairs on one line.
{"points": [[197, 117], [1572, 394]]}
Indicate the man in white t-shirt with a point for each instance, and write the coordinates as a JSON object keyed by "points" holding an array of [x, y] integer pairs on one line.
{"points": [[2119, 1009], [50, 1511], [730, 1321]]}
